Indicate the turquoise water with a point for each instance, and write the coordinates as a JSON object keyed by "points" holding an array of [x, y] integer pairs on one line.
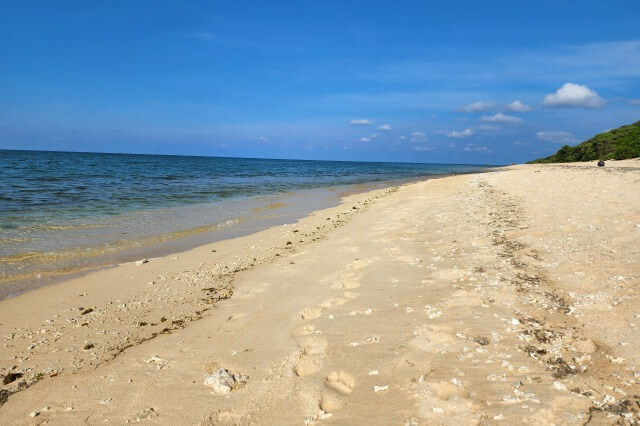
{"points": [[60, 211]]}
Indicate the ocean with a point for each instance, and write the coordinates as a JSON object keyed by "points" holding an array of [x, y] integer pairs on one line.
{"points": [[63, 212]]}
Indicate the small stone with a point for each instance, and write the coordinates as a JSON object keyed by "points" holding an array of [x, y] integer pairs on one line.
{"points": [[559, 386], [324, 415], [34, 414], [223, 381], [380, 388], [483, 341], [142, 262]]}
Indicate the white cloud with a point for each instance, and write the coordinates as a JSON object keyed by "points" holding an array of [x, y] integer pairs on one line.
{"points": [[361, 122], [487, 127], [385, 127], [557, 137], [463, 134], [418, 137], [477, 106], [521, 143], [502, 118], [475, 148], [517, 106], [364, 139], [573, 95], [423, 148]]}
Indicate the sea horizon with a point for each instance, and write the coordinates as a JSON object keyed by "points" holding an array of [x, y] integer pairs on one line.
{"points": [[251, 158]]}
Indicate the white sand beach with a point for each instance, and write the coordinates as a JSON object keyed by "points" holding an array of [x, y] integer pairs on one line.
{"points": [[505, 297]]}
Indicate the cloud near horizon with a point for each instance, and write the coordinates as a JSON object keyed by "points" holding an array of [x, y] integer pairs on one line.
{"points": [[557, 137], [384, 127], [478, 106], [360, 122], [463, 134], [475, 148], [502, 118], [418, 137], [573, 95], [517, 106]]}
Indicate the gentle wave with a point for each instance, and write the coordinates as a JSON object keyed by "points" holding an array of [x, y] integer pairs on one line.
{"points": [[60, 211], [271, 206], [47, 261]]}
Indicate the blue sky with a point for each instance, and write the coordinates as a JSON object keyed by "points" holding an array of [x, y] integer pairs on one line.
{"points": [[442, 81]]}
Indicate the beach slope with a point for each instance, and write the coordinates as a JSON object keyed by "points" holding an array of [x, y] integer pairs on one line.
{"points": [[506, 296]]}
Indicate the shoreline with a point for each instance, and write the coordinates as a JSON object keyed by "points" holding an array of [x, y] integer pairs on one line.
{"points": [[450, 290], [57, 294], [292, 207]]}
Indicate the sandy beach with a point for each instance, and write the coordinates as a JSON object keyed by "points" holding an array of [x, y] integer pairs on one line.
{"points": [[498, 298]]}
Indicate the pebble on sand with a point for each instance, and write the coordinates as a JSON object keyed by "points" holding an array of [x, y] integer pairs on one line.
{"points": [[223, 381]]}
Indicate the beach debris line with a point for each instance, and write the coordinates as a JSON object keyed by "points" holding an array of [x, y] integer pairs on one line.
{"points": [[223, 381], [10, 377], [4, 396]]}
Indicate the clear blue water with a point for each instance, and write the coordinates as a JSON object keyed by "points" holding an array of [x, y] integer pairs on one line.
{"points": [[57, 206]]}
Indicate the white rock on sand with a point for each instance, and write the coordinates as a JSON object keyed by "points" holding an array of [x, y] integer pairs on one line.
{"points": [[223, 381]]}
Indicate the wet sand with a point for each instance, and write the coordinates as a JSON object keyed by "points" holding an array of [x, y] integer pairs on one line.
{"points": [[504, 297]]}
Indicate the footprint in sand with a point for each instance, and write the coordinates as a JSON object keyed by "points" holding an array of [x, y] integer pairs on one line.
{"points": [[314, 312], [347, 282], [305, 330], [337, 301], [311, 312], [350, 280], [339, 384], [442, 402], [334, 301], [310, 356]]}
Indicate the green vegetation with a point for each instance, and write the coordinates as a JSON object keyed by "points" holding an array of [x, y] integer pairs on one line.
{"points": [[618, 144]]}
